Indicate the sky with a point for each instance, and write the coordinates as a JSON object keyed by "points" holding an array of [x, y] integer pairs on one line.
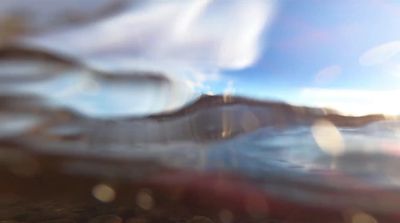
{"points": [[339, 54]]}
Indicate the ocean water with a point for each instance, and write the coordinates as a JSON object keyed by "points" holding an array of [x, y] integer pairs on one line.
{"points": [[296, 155]]}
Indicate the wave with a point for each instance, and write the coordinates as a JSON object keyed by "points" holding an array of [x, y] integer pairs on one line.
{"points": [[271, 147]]}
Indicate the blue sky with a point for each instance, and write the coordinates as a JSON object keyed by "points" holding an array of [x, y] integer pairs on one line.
{"points": [[317, 45]]}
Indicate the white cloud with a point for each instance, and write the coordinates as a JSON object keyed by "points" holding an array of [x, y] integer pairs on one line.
{"points": [[41, 15], [355, 102], [206, 33], [380, 54], [386, 57]]}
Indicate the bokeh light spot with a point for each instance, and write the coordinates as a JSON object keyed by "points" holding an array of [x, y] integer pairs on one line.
{"points": [[103, 193], [361, 217], [328, 137], [144, 200]]}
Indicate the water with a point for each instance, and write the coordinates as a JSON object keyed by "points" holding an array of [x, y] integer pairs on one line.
{"points": [[123, 128], [298, 156]]}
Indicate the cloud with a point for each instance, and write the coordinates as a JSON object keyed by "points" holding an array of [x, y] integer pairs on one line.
{"points": [[385, 57], [328, 74], [206, 33], [350, 101], [381, 54], [43, 15]]}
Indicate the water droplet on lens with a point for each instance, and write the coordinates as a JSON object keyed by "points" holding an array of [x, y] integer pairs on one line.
{"points": [[144, 200], [103, 193], [328, 137], [362, 217]]}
